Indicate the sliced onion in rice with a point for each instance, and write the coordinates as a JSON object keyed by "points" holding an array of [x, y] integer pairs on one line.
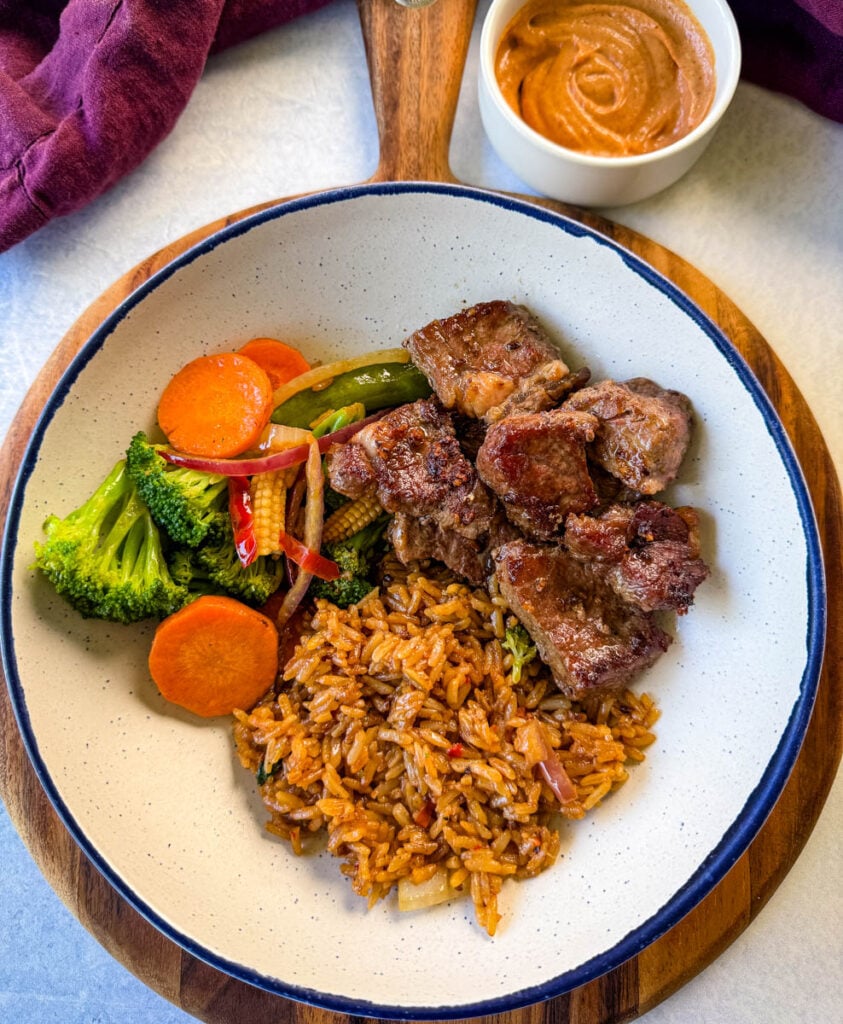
{"points": [[532, 742], [558, 779], [434, 890]]}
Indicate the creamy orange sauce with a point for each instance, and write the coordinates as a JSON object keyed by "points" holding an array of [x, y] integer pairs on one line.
{"points": [[609, 78]]}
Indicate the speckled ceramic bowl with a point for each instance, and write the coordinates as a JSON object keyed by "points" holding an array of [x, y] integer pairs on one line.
{"points": [[156, 798]]}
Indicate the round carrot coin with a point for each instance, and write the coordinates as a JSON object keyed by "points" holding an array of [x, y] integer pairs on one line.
{"points": [[282, 362], [216, 406], [214, 655]]}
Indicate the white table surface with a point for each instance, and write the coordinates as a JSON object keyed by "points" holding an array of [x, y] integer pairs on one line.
{"points": [[761, 215]]}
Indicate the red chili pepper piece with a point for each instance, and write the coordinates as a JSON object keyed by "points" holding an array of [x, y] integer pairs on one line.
{"points": [[424, 815], [308, 560], [242, 519], [456, 750]]}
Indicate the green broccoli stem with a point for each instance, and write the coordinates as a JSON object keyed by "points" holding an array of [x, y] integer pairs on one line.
{"points": [[366, 540], [153, 563], [113, 488], [132, 546]]}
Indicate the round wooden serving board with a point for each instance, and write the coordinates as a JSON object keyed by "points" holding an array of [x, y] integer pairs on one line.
{"points": [[416, 60]]}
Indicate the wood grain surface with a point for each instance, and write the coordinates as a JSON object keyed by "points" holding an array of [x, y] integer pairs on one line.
{"points": [[416, 60]]}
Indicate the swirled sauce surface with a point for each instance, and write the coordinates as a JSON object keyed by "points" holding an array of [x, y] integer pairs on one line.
{"points": [[610, 78]]}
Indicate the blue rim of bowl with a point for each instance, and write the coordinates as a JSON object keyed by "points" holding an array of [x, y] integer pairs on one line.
{"points": [[736, 839]]}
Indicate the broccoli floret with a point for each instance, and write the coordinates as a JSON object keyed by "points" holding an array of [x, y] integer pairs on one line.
{"points": [[219, 566], [188, 572], [519, 643], [106, 558], [189, 505], [355, 557], [216, 569], [343, 592]]}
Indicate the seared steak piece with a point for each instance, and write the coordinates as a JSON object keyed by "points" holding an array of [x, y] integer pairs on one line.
{"points": [[536, 464], [644, 430], [413, 460], [648, 553], [550, 384], [415, 540], [600, 539], [610, 490], [589, 637], [419, 539], [349, 469], [476, 358], [470, 434]]}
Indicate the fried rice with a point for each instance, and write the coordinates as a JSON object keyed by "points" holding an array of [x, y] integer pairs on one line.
{"points": [[398, 730]]}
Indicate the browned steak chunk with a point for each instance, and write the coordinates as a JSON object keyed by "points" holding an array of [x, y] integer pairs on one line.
{"points": [[470, 557], [536, 464], [644, 431], [415, 540], [476, 358], [543, 389], [610, 490], [648, 552], [470, 433], [349, 470], [413, 460], [589, 637], [601, 539]]}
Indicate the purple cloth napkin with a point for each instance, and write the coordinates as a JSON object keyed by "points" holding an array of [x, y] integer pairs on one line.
{"points": [[89, 87], [795, 47]]}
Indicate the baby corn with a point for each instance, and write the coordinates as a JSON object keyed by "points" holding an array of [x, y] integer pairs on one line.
{"points": [[351, 518], [269, 496]]}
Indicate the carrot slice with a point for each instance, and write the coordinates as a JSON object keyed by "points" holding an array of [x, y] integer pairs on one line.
{"points": [[216, 406], [281, 362], [214, 655]]}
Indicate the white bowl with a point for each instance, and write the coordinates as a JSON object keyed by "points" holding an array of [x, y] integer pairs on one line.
{"points": [[156, 797], [586, 180]]}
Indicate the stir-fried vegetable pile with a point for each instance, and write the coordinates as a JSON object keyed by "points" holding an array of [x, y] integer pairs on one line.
{"points": [[238, 507]]}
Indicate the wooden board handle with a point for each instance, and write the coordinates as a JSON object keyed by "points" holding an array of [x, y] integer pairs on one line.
{"points": [[416, 58]]}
